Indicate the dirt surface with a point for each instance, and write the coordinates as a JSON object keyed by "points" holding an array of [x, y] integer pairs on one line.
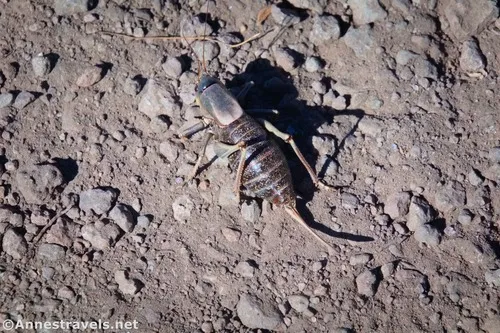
{"points": [[395, 103]]}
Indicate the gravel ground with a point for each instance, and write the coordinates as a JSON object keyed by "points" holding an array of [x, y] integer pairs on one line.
{"points": [[394, 102]]}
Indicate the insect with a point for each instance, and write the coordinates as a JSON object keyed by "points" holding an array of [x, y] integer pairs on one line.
{"points": [[261, 166]]}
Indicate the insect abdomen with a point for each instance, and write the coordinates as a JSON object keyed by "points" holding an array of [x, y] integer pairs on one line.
{"points": [[266, 172]]}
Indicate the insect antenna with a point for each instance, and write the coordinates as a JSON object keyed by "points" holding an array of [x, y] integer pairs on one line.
{"points": [[194, 53], [204, 34]]}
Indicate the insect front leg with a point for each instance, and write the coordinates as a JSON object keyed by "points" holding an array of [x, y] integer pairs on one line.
{"points": [[223, 150], [289, 139], [201, 154], [193, 129]]}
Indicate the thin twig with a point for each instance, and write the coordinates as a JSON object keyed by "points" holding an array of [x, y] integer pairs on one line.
{"points": [[52, 222]]}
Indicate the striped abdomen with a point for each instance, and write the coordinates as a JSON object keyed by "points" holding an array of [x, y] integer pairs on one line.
{"points": [[266, 172]]}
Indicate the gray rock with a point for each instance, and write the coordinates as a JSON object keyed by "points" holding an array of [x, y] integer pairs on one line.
{"points": [[170, 150], [367, 11], [313, 64], [427, 234], [14, 244], [207, 327], [174, 67], [420, 213], [47, 305], [97, 200], [371, 126], [250, 211], [366, 283], [397, 204], [143, 221], [102, 238], [37, 182], [41, 65], [493, 277], [360, 40], [360, 259], [284, 16], [6, 99], [90, 76], [423, 68], [400, 228], [245, 269], [465, 217], [468, 18], [404, 57], [71, 7], [388, 269], [48, 273], [158, 99], [349, 200], [494, 154], [339, 103], [182, 207], [374, 103], [231, 235], [65, 292], [493, 172], [160, 124], [299, 303], [402, 5], [341, 330], [6, 212], [207, 50], [475, 177], [472, 59], [123, 216], [491, 324], [325, 28], [316, 6], [132, 86], [285, 58], [127, 285], [451, 197], [51, 252], [324, 145], [479, 251], [23, 99], [254, 313], [318, 87]]}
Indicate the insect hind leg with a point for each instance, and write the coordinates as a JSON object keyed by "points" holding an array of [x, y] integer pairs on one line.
{"points": [[223, 150], [289, 139]]}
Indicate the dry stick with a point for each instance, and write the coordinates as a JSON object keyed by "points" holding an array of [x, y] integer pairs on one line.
{"points": [[202, 38], [52, 222]]}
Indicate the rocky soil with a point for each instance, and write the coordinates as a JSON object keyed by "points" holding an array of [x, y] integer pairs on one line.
{"points": [[394, 102]]}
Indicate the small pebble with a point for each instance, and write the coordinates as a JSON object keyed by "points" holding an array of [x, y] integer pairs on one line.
{"points": [[231, 235], [313, 64], [6, 99], [465, 217], [299, 303], [360, 259], [285, 58], [41, 65], [471, 59], [23, 99], [475, 178], [173, 67], [427, 234], [366, 283], [245, 269], [90, 76]]}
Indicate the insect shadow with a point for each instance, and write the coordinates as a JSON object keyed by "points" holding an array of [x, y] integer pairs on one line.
{"points": [[273, 88]]}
